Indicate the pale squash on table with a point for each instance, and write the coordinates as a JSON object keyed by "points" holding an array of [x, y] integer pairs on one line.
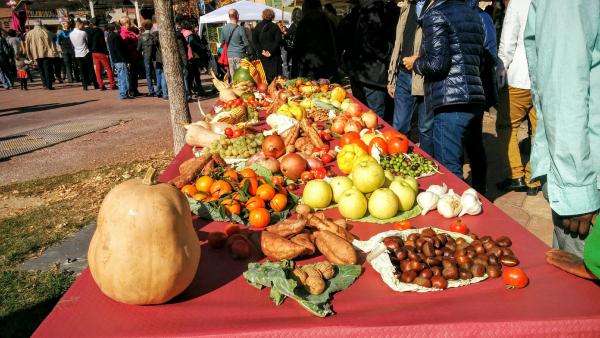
{"points": [[145, 249]]}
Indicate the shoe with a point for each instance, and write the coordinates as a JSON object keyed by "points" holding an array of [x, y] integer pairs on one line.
{"points": [[85, 88], [533, 191], [102, 88], [150, 95], [166, 98], [114, 88], [517, 184], [159, 95]]}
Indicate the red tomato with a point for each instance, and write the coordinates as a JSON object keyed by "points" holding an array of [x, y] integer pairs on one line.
{"points": [[378, 141], [392, 133], [459, 226], [316, 150], [228, 132], [514, 278], [319, 173], [325, 148], [361, 144], [327, 137], [326, 158], [238, 101], [402, 225], [237, 133], [307, 176], [348, 137], [396, 145]]}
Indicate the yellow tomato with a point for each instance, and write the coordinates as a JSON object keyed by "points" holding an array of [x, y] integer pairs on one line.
{"points": [[347, 156]]}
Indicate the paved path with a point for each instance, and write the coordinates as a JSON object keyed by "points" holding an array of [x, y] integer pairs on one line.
{"points": [[148, 132]]}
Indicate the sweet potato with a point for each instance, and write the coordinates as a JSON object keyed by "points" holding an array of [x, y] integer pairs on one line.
{"points": [[277, 248], [288, 227], [306, 241], [334, 248], [189, 170]]}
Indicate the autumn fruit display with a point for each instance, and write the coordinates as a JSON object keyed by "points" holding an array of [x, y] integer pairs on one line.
{"points": [[144, 250]]}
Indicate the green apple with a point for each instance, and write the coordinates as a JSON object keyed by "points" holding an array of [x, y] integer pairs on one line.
{"points": [[389, 178], [339, 184], [383, 203], [367, 176], [317, 194], [345, 104], [352, 204], [405, 193]]}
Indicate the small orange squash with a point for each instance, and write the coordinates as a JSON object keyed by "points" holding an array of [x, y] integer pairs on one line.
{"points": [[145, 249]]}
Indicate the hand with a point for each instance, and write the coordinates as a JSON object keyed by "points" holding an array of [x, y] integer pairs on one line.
{"points": [[409, 61], [266, 53], [569, 263], [579, 223], [501, 76], [391, 89]]}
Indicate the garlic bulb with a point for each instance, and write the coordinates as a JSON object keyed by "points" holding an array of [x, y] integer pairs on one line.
{"points": [[471, 191], [470, 204], [427, 200], [449, 205], [438, 189]]}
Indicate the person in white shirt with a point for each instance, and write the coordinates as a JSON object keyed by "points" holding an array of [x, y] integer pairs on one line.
{"points": [[79, 39], [517, 106]]}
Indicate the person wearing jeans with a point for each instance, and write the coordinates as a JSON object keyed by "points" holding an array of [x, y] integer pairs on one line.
{"points": [[450, 59], [117, 54], [146, 46], [405, 86]]}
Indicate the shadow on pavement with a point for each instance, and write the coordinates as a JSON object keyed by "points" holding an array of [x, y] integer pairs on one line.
{"points": [[40, 107], [23, 322]]}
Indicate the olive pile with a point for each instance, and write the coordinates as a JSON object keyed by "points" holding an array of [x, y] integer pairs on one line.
{"points": [[431, 260], [413, 165]]}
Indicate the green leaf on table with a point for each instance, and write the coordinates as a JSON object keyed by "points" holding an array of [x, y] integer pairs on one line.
{"points": [[277, 276]]}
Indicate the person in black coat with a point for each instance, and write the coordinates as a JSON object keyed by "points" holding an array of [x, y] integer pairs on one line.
{"points": [[366, 39], [451, 61], [315, 53], [266, 38]]}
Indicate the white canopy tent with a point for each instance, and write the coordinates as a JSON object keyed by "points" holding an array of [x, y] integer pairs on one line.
{"points": [[249, 11]]}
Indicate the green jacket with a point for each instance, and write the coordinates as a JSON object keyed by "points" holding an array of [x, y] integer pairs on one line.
{"points": [[562, 42], [591, 250]]}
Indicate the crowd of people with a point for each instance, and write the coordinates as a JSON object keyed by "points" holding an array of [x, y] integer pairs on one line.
{"points": [[439, 59], [83, 52]]}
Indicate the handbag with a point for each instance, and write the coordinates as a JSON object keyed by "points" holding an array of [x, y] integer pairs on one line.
{"points": [[223, 58]]}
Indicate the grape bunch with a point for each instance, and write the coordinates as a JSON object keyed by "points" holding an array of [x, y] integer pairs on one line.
{"points": [[239, 147], [252, 114], [413, 165]]}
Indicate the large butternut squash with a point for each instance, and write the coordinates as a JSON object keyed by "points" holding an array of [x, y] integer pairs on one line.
{"points": [[145, 249]]}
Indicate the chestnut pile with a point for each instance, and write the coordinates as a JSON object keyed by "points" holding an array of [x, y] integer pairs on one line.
{"points": [[430, 260]]}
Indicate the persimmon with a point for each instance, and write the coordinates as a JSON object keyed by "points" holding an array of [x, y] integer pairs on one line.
{"points": [[219, 188], [379, 142], [252, 185], [266, 192], [389, 134], [279, 202], [231, 228], [259, 218], [231, 175], [232, 206], [361, 144], [200, 196], [255, 203], [397, 145], [247, 172], [204, 183], [189, 189]]}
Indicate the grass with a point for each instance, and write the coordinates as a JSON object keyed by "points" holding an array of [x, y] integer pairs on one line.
{"points": [[64, 204]]}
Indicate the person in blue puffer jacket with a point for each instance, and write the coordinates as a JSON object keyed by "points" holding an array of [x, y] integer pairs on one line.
{"points": [[451, 59]]}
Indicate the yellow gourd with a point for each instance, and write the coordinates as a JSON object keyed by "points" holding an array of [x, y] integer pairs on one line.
{"points": [[145, 249]]}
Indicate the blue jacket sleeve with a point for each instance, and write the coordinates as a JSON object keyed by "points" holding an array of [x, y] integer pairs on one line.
{"points": [[489, 34], [435, 60]]}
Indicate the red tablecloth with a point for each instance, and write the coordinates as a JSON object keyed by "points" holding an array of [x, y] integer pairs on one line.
{"points": [[221, 302]]}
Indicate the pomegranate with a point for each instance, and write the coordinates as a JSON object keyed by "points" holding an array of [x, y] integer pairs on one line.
{"points": [[273, 146], [338, 125], [354, 109], [292, 166], [352, 126], [262, 87]]}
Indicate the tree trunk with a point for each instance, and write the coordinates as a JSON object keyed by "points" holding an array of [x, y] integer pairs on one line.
{"points": [[173, 72]]}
